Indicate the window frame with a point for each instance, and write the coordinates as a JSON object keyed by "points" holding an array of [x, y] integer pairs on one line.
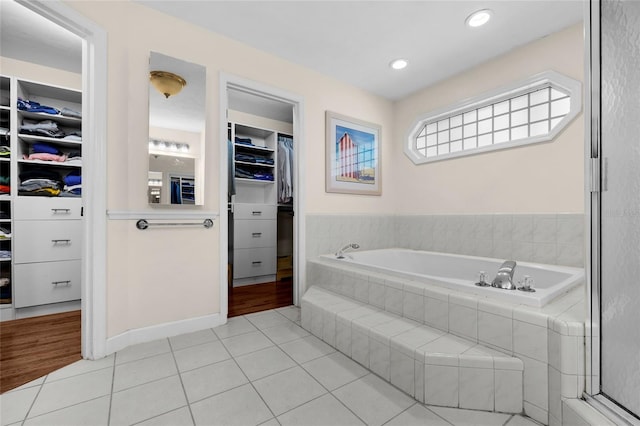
{"points": [[555, 80]]}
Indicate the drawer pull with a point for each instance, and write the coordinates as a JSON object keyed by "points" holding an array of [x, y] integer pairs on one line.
{"points": [[256, 234], [64, 211], [61, 242], [66, 283], [257, 263], [256, 213]]}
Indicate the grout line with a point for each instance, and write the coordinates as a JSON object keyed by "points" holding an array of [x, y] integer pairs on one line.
{"points": [[181, 382], [63, 408], [113, 379], [436, 414], [161, 414], [26, 416]]}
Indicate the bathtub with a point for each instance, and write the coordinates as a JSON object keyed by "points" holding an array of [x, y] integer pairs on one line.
{"points": [[458, 272]]}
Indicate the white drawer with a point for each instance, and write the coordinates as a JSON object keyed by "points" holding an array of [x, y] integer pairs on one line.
{"points": [[47, 208], [254, 233], [48, 282], [254, 262], [254, 211], [46, 240]]}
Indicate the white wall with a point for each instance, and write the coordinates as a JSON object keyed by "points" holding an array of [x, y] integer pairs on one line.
{"points": [[170, 275], [541, 178]]}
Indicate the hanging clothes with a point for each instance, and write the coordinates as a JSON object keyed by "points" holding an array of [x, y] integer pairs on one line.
{"points": [[285, 169]]}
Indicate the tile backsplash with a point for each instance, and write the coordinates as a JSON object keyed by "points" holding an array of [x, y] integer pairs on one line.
{"points": [[541, 238]]}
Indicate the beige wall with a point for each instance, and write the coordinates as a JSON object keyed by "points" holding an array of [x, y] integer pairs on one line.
{"points": [[160, 276], [170, 275], [541, 178], [41, 74]]}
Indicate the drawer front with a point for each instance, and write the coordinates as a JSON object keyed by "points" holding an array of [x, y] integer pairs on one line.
{"points": [[254, 262], [254, 233], [47, 208], [254, 211], [46, 240], [48, 282]]}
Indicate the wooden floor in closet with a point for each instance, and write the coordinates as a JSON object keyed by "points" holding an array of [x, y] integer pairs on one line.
{"points": [[33, 347], [260, 297]]}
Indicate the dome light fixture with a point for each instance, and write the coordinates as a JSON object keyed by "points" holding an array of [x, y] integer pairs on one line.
{"points": [[398, 64], [166, 82], [478, 18]]}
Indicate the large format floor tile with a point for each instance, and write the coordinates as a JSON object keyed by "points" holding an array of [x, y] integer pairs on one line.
{"points": [[240, 406], [373, 400], [262, 369], [288, 389]]}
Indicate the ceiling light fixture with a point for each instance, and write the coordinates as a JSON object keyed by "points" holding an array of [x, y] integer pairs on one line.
{"points": [[398, 64], [478, 18], [167, 83]]}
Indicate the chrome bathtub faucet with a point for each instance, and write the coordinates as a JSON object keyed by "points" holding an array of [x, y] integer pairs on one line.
{"points": [[504, 278], [340, 253]]}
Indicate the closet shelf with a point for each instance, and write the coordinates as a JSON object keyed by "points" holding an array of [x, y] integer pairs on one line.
{"points": [[247, 163], [255, 181], [69, 121], [5, 108], [5, 259], [7, 159], [51, 163], [57, 141], [253, 148]]}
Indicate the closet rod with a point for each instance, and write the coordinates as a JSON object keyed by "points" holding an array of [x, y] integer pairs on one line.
{"points": [[143, 224]]}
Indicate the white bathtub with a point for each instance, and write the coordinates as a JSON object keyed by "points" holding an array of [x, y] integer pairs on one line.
{"points": [[458, 272]]}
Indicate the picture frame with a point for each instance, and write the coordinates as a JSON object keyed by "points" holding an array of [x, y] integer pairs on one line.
{"points": [[352, 155]]}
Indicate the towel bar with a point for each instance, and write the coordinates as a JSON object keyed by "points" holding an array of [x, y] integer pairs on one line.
{"points": [[143, 224]]}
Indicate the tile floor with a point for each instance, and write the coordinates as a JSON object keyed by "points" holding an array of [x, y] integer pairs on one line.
{"points": [[258, 369]]}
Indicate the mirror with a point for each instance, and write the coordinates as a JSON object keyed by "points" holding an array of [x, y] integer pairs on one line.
{"points": [[176, 131]]}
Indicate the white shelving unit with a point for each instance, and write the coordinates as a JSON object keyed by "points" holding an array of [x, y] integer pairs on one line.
{"points": [[46, 228], [6, 213], [254, 205]]}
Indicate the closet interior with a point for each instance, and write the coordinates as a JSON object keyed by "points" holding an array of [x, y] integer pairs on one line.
{"points": [[260, 196], [40, 176]]}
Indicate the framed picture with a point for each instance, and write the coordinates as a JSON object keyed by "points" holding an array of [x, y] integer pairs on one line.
{"points": [[353, 155]]}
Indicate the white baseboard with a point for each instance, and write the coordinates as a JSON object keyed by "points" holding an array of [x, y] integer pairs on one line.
{"points": [[162, 331]]}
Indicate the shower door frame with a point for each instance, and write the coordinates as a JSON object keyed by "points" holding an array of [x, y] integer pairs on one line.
{"points": [[593, 186]]}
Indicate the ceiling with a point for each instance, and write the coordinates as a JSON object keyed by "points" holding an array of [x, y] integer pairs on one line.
{"points": [[354, 41], [351, 41]]}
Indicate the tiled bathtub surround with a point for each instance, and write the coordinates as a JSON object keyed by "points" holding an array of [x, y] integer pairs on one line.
{"points": [[549, 340], [434, 367], [556, 239]]}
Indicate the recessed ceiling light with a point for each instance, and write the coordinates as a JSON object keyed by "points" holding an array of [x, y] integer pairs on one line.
{"points": [[398, 64], [479, 18]]}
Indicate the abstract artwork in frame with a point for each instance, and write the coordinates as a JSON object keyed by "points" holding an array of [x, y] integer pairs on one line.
{"points": [[353, 155]]}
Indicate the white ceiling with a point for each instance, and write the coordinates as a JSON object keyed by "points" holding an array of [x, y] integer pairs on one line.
{"points": [[27, 36], [352, 41]]}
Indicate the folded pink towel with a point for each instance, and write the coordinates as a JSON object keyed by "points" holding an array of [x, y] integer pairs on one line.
{"points": [[46, 157]]}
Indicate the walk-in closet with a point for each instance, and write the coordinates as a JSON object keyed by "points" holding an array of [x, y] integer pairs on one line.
{"points": [[40, 195], [260, 202]]}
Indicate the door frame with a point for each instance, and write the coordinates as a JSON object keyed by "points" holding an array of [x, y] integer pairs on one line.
{"points": [[94, 171], [235, 82], [593, 204]]}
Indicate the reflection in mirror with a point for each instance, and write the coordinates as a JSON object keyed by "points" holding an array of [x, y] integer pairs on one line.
{"points": [[176, 131]]}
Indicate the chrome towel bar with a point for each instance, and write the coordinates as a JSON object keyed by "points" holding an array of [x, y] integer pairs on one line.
{"points": [[143, 224]]}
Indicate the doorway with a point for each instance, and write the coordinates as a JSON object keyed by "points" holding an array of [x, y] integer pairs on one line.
{"points": [[614, 378], [260, 183]]}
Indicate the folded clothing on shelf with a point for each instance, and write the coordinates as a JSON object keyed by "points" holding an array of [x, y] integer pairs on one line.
{"points": [[68, 112], [43, 156], [33, 106], [44, 148], [39, 182], [73, 178], [45, 128], [253, 174], [250, 158], [244, 141]]}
